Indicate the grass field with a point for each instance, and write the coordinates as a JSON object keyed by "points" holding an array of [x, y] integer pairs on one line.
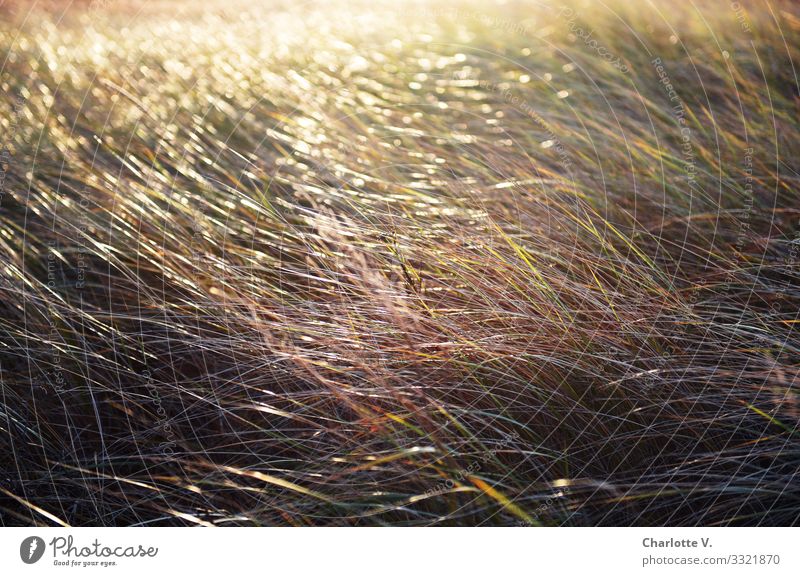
{"points": [[399, 263]]}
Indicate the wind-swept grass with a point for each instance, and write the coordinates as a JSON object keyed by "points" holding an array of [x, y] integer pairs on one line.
{"points": [[427, 264]]}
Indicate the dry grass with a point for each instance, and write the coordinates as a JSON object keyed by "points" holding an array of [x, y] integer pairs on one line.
{"points": [[365, 264]]}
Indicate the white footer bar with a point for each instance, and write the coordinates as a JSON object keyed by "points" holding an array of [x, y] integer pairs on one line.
{"points": [[401, 551]]}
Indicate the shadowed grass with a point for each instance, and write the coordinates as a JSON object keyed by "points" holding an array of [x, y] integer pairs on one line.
{"points": [[417, 265]]}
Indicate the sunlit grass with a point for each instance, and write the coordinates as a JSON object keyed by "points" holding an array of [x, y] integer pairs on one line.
{"points": [[399, 264]]}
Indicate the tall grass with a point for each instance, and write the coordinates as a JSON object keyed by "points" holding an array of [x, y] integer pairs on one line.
{"points": [[426, 264]]}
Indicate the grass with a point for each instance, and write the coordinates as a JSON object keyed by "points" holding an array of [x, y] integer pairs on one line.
{"points": [[428, 264]]}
